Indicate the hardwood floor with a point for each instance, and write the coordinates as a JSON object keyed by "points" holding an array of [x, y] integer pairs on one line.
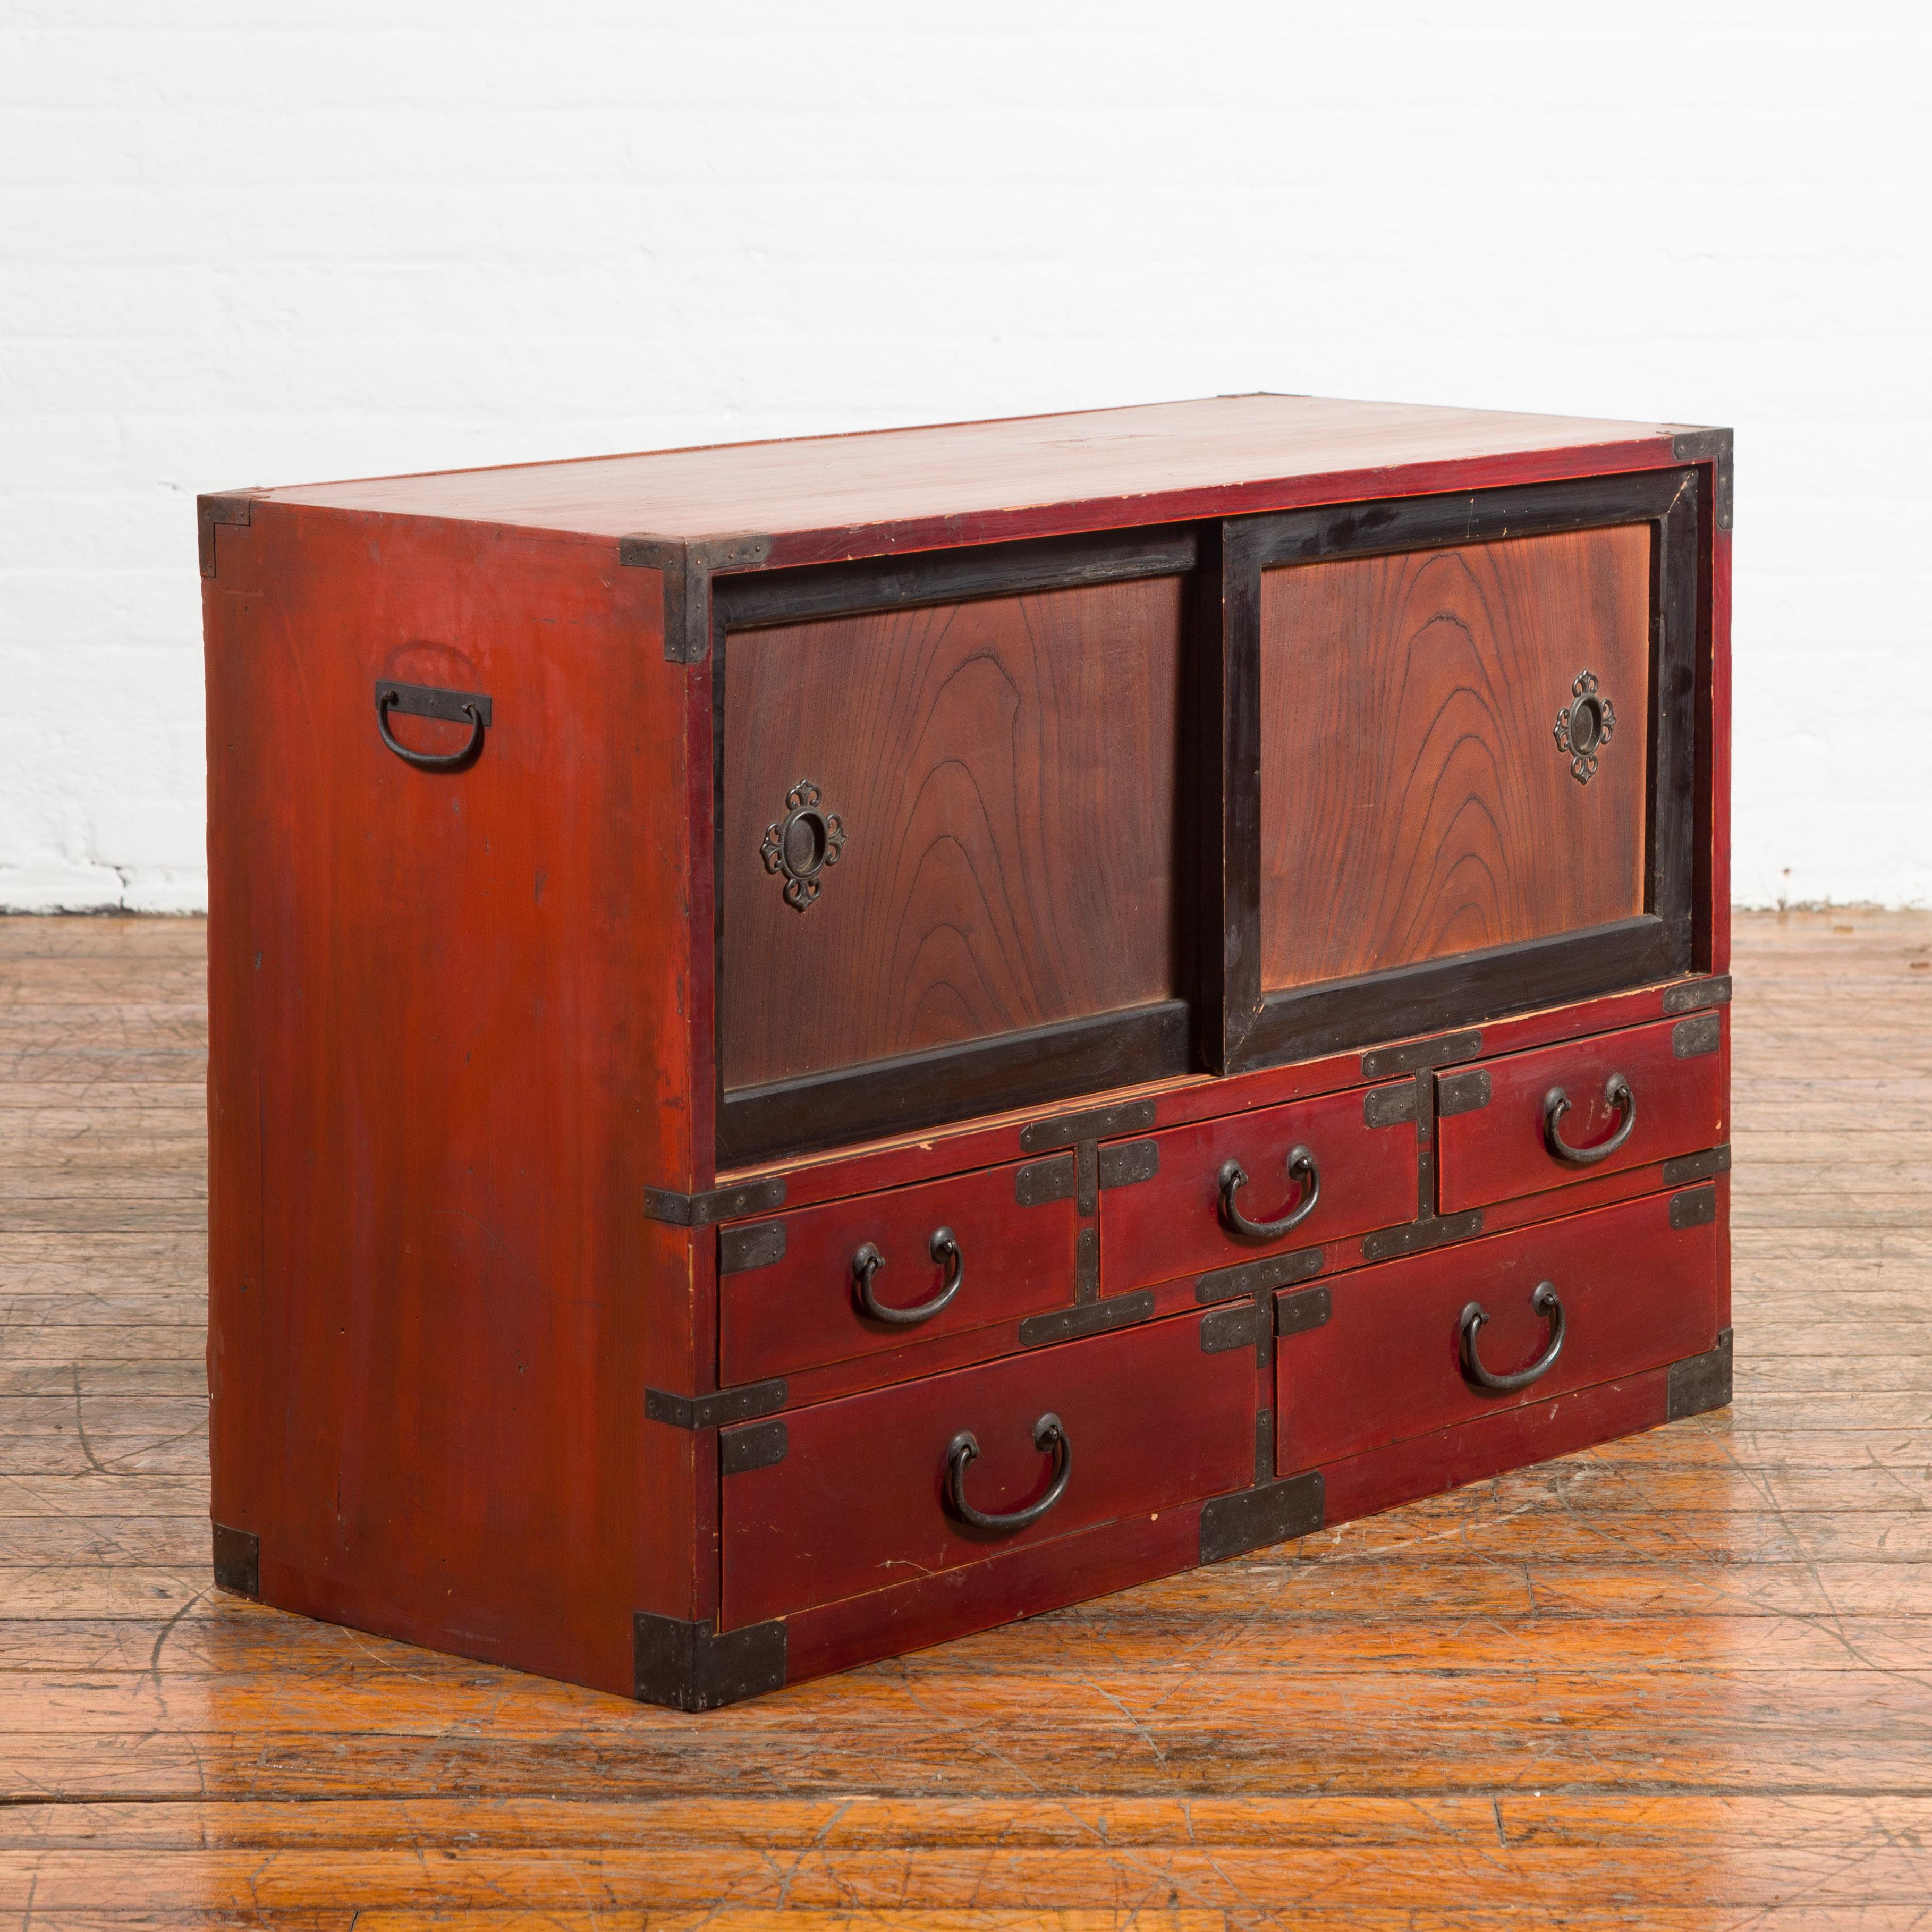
{"points": [[1681, 1681]]}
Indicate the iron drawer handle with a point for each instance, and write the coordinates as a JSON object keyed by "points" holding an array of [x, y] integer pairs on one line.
{"points": [[943, 1246], [388, 696], [1545, 1303], [1556, 1104], [1233, 1176], [1047, 1432]]}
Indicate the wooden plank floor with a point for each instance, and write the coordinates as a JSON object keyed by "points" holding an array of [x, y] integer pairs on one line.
{"points": [[1682, 1681]]}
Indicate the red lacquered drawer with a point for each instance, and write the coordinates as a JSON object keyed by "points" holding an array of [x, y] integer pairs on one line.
{"points": [[791, 1290], [1165, 1212], [862, 1494], [1383, 1358], [1496, 1138]]}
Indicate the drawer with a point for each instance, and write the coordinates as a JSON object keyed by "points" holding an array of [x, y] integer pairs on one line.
{"points": [[1378, 1355], [863, 1491], [1648, 1093], [791, 1290], [1166, 1210]]}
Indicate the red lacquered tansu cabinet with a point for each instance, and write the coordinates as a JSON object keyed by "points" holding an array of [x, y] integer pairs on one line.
{"points": [[821, 1045]]}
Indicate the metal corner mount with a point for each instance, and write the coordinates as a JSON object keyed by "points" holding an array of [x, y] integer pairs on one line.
{"points": [[715, 1410], [715, 1204], [238, 1560], [234, 508], [1254, 1519], [1699, 1382], [689, 1666], [687, 564], [1713, 446]]}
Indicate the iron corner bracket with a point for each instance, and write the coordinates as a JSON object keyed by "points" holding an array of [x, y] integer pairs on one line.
{"points": [[1699, 1382], [234, 508], [238, 1562], [1254, 1519], [1097, 1123], [715, 1410], [1712, 446], [689, 1666], [1412, 1056], [1691, 996], [687, 565], [716, 1204]]}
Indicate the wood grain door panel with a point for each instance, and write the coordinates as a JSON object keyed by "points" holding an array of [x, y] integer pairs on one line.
{"points": [[1636, 1289], [1414, 803], [1004, 770], [858, 1500]]}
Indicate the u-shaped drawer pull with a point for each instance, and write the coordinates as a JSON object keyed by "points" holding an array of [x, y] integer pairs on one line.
{"points": [[1556, 1104], [1233, 1178], [1545, 1302], [1048, 1433], [943, 1246]]}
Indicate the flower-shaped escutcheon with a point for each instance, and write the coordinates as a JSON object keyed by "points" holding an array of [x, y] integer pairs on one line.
{"points": [[802, 844], [1583, 725]]}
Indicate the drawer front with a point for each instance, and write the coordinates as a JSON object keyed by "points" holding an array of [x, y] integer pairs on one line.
{"points": [[863, 1495], [792, 1290], [1635, 1289], [1496, 1138], [1179, 1219]]}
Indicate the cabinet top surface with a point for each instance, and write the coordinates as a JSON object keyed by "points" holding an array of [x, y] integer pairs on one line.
{"points": [[972, 481]]}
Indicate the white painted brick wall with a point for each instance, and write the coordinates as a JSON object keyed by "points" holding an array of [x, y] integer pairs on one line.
{"points": [[265, 244]]}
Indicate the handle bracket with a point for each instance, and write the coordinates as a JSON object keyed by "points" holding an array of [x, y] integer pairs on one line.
{"points": [[427, 700]]}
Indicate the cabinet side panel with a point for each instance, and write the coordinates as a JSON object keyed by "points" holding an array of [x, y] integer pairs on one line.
{"points": [[466, 1026], [239, 788], [1415, 802]]}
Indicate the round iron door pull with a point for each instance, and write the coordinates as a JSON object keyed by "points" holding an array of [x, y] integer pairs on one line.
{"points": [[1047, 1433], [943, 1246], [429, 761], [1556, 1104], [1545, 1303], [1234, 1176]]}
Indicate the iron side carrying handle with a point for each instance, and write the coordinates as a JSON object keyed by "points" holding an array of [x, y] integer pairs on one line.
{"points": [[425, 701], [1556, 1104], [1474, 1315], [943, 1246], [1047, 1433], [1233, 1176]]}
